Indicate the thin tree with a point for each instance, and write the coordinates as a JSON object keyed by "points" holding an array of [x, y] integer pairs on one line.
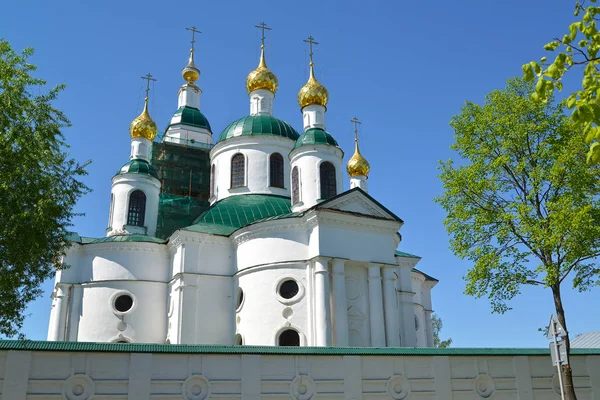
{"points": [[522, 204], [39, 186], [437, 324]]}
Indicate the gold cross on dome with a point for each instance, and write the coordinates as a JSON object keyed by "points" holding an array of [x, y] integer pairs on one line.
{"points": [[263, 27], [356, 123], [311, 41], [148, 78], [194, 31]]}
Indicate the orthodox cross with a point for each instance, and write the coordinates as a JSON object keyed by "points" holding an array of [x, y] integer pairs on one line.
{"points": [[263, 27], [194, 31], [356, 123], [148, 78], [311, 41]]}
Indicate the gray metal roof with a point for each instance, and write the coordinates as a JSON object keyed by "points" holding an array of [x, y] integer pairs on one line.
{"points": [[588, 340]]}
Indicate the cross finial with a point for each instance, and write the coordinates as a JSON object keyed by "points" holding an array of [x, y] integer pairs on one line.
{"points": [[356, 123], [194, 31], [263, 27], [148, 78], [311, 41]]}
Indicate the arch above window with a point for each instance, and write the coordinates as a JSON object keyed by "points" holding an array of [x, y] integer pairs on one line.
{"points": [[137, 208], [238, 170], [276, 170], [295, 185], [328, 180]]}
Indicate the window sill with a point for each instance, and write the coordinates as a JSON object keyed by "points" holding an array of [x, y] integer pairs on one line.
{"points": [[240, 189], [277, 187], [134, 229]]}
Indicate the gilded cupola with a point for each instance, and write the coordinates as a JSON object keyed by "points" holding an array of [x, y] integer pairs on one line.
{"points": [[357, 165], [262, 77], [190, 72], [143, 126], [312, 92]]}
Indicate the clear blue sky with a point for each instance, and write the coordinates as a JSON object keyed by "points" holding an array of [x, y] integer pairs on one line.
{"points": [[403, 67]]}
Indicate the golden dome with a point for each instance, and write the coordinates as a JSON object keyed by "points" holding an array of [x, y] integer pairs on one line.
{"points": [[313, 92], [143, 126], [190, 72], [357, 165], [262, 77]]}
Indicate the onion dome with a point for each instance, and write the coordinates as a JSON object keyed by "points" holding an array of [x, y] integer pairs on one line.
{"points": [[262, 77], [357, 165], [314, 136], [190, 72], [313, 92], [256, 125], [138, 166], [143, 126]]}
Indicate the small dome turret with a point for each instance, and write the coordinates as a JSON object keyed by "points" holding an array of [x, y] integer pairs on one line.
{"points": [[190, 72], [357, 165], [143, 126], [313, 92], [262, 77]]}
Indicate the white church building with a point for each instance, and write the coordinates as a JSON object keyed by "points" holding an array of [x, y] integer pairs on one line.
{"points": [[287, 285]]}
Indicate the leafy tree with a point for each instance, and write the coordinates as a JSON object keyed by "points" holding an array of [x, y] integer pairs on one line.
{"points": [[577, 48], [39, 186], [522, 204], [436, 322]]}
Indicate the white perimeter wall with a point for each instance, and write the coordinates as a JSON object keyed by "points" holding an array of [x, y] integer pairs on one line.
{"points": [[140, 376]]}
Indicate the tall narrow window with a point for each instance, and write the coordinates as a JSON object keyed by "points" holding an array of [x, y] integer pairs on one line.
{"points": [[238, 170], [212, 180], [276, 170], [328, 181], [112, 209], [289, 337], [137, 208], [295, 186]]}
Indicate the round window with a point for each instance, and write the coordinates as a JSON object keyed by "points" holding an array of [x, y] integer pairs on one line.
{"points": [[123, 303], [289, 289]]}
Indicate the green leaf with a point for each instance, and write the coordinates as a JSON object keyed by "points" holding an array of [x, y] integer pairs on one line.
{"points": [[553, 71], [566, 39], [536, 68], [571, 100], [551, 46], [527, 72]]}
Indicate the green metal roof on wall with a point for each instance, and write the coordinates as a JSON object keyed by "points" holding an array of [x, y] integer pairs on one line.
{"points": [[403, 254], [30, 345], [235, 212], [115, 238], [315, 136], [192, 116], [137, 166], [258, 125]]}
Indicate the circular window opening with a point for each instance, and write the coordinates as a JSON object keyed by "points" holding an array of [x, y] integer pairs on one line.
{"points": [[289, 289], [289, 337], [238, 341], [240, 299], [123, 303]]}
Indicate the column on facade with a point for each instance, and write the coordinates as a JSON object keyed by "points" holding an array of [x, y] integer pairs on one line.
{"points": [[322, 311], [188, 310], [376, 307], [340, 313], [59, 313], [390, 307], [406, 303], [428, 328]]}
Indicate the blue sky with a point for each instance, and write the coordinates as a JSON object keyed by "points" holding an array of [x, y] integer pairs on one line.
{"points": [[402, 67]]}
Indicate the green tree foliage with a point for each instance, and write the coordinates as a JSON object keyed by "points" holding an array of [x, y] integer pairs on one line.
{"points": [[577, 48], [437, 325], [38, 186], [522, 204]]}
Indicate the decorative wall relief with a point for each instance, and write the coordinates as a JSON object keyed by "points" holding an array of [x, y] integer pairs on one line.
{"points": [[398, 387], [484, 386], [303, 387], [78, 387], [196, 387]]}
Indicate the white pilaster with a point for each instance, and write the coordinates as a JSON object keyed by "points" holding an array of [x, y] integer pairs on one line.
{"points": [[428, 328], [359, 181], [322, 311], [340, 316], [140, 375], [62, 295], [16, 375], [443, 378], [314, 116], [261, 102], [523, 375], [406, 304], [376, 307], [189, 95], [140, 149], [390, 305]]}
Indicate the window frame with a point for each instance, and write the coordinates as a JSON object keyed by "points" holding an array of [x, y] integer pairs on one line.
{"points": [[243, 171], [327, 183], [280, 170], [140, 209], [295, 185]]}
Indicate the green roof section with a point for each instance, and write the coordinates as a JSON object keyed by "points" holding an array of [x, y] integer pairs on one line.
{"points": [[191, 116], [137, 166], [234, 212], [115, 238], [427, 277], [254, 125], [315, 136], [403, 254], [28, 345]]}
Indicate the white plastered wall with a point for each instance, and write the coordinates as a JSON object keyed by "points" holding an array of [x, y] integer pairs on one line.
{"points": [[122, 187]]}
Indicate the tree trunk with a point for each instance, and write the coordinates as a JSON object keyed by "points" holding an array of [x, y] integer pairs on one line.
{"points": [[567, 374]]}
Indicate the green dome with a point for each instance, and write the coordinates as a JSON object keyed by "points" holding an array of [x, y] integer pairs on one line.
{"points": [[315, 136], [191, 116], [137, 166], [258, 125]]}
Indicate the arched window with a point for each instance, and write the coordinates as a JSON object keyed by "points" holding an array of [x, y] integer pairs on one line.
{"points": [[212, 180], [295, 186], [276, 170], [289, 337], [238, 340], [137, 208], [112, 209], [328, 181], [238, 170]]}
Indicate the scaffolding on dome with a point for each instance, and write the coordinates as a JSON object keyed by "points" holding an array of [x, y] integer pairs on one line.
{"points": [[184, 172]]}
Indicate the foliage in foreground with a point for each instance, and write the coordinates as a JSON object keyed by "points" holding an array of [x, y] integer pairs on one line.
{"points": [[39, 186], [522, 205]]}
